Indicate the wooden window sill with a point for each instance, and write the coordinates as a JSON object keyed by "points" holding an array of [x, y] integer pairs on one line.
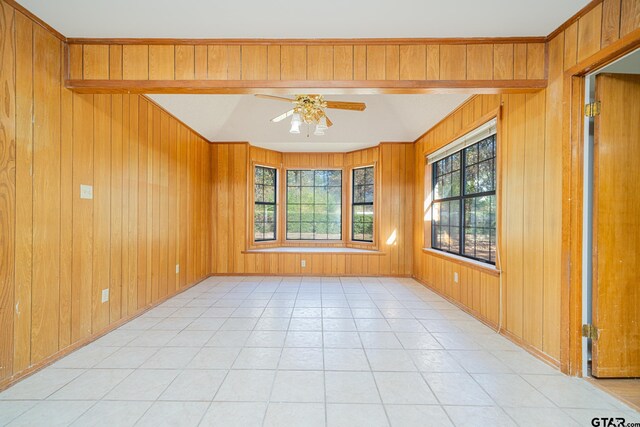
{"points": [[314, 250], [470, 263]]}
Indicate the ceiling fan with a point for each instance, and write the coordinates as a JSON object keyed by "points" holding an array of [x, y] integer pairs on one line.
{"points": [[309, 109]]}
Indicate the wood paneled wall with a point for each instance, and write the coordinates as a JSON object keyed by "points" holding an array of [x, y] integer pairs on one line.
{"points": [[529, 198], [490, 60], [531, 160], [150, 208], [230, 165]]}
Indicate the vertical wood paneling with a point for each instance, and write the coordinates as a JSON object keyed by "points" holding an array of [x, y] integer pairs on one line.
{"points": [[101, 209], [185, 62], [571, 45], [116, 186], [343, 62], [376, 62], [273, 62], [629, 16], [201, 62], [520, 61], [610, 22], [135, 62], [217, 62], [66, 212], [553, 200], [413, 62], [95, 62], [24, 190], [83, 212], [46, 190], [115, 62], [535, 61], [293, 62], [229, 181], [433, 62], [533, 208], [75, 59], [161, 62], [254, 63], [453, 62], [67, 249], [359, 62], [503, 61], [392, 62], [7, 185], [320, 62], [234, 66], [480, 62], [589, 32]]}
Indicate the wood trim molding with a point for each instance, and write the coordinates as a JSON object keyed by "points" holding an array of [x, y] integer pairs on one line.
{"points": [[311, 42], [293, 86], [469, 264], [531, 349]]}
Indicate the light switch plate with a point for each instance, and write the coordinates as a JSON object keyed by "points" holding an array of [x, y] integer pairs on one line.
{"points": [[105, 295], [455, 277], [177, 268], [303, 263], [86, 191]]}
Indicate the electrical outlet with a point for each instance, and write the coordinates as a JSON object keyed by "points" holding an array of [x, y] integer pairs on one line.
{"points": [[303, 263], [86, 191], [177, 268], [455, 277], [105, 295]]}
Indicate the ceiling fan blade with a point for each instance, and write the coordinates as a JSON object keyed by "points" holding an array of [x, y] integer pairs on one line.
{"points": [[282, 116], [329, 122], [275, 98], [341, 105]]}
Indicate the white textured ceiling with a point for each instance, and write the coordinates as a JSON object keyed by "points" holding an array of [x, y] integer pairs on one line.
{"points": [[300, 19], [390, 118]]}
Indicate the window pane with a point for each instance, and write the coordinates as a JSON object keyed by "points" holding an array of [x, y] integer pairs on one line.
{"points": [[293, 212], [335, 195], [293, 194], [321, 178], [362, 204], [264, 216], [480, 228], [293, 177], [307, 178], [314, 199], [465, 212], [335, 178], [307, 195], [368, 213], [306, 213], [368, 194]]}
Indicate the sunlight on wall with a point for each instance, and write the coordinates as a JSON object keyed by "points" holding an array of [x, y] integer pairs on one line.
{"points": [[393, 238]]}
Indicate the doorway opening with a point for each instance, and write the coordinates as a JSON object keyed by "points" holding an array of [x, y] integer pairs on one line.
{"points": [[611, 343]]}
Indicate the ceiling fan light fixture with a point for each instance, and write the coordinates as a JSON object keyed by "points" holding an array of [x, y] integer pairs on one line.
{"points": [[295, 127], [322, 124], [296, 120], [319, 130]]}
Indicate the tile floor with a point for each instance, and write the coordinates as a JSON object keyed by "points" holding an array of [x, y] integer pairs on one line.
{"points": [[271, 351]]}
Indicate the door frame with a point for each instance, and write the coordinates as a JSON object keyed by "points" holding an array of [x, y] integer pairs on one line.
{"points": [[573, 151]]}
